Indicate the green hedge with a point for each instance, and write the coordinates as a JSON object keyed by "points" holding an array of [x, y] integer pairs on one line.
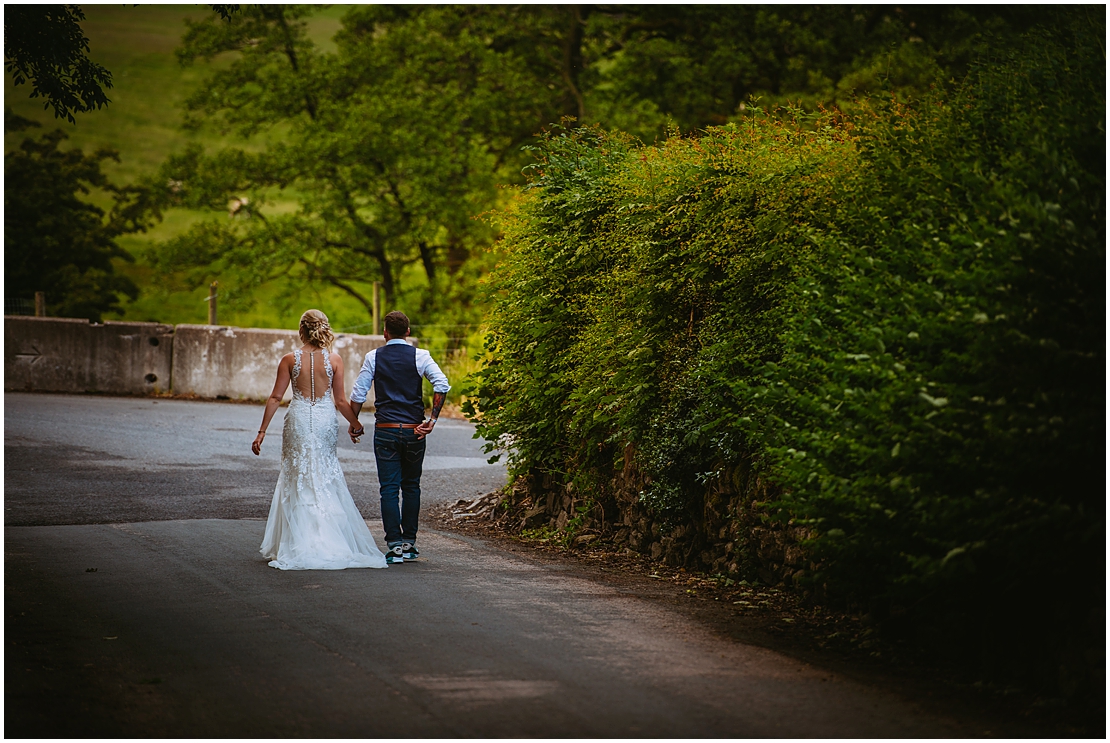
{"points": [[898, 319]]}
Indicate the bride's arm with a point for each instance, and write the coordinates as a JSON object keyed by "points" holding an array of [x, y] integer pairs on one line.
{"points": [[284, 373], [341, 403]]}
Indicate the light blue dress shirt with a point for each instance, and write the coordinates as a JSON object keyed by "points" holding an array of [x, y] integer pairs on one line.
{"points": [[425, 367]]}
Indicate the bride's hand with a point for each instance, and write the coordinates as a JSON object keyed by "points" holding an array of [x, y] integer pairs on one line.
{"points": [[355, 433], [256, 447]]}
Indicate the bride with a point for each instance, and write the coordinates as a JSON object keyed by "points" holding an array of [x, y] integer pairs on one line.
{"points": [[313, 523]]}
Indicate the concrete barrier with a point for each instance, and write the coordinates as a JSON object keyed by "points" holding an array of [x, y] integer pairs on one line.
{"points": [[54, 354], [241, 363], [51, 354]]}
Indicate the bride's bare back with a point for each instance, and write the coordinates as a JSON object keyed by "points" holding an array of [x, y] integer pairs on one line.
{"points": [[312, 382]]}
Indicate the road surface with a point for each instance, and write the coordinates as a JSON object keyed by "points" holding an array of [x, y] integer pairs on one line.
{"points": [[137, 604]]}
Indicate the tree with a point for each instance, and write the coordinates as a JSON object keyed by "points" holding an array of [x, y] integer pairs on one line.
{"points": [[55, 241], [390, 147], [698, 65]]}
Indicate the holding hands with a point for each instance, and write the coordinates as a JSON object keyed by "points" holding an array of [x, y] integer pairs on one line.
{"points": [[354, 433]]}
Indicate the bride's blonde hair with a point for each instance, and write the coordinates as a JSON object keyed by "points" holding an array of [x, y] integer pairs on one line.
{"points": [[315, 329]]}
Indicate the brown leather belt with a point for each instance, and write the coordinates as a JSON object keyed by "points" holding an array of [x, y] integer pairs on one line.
{"points": [[396, 425]]}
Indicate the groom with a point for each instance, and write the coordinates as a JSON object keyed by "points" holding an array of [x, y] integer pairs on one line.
{"points": [[395, 370]]}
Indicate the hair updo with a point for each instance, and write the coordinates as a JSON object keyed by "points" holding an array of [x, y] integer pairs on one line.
{"points": [[316, 330]]}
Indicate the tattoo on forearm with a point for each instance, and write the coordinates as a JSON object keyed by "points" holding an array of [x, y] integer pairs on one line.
{"points": [[437, 403]]}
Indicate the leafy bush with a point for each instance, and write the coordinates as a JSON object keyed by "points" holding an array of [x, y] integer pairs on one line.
{"points": [[939, 396], [898, 318]]}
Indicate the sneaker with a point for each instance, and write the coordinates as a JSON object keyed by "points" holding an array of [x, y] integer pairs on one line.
{"points": [[410, 552], [395, 555]]}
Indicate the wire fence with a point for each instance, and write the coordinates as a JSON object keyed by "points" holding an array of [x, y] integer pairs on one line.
{"points": [[19, 306], [446, 337], [368, 325], [456, 350]]}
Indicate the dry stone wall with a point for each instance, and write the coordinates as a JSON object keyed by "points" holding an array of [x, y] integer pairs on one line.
{"points": [[729, 534]]}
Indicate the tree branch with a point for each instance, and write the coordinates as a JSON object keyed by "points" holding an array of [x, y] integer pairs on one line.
{"points": [[345, 287], [426, 255], [291, 53], [371, 234]]}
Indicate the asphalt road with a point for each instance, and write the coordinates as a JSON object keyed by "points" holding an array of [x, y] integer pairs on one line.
{"points": [[94, 460], [137, 604]]}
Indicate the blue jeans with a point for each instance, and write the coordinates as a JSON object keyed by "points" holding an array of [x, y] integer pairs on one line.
{"points": [[400, 458]]}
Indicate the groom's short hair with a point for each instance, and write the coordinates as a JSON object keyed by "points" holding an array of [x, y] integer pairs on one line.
{"points": [[397, 323]]}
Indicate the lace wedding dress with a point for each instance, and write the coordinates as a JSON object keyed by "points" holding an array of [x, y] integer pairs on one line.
{"points": [[313, 523]]}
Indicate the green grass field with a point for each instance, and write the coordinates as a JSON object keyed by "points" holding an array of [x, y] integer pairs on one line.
{"points": [[143, 123]]}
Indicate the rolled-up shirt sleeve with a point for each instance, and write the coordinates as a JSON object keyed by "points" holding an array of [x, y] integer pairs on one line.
{"points": [[365, 378], [430, 370]]}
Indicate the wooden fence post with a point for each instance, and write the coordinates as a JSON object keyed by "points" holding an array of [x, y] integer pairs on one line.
{"points": [[212, 303], [40, 304], [377, 310]]}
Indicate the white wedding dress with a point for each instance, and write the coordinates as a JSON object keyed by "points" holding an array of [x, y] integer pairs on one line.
{"points": [[313, 523]]}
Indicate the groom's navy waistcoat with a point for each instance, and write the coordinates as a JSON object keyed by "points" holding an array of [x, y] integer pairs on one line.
{"points": [[397, 387]]}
